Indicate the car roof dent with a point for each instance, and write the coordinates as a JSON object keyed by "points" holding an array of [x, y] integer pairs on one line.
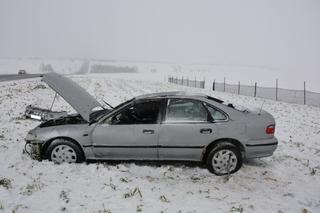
{"points": [[75, 95]]}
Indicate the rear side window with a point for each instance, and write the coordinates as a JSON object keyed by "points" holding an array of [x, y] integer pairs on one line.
{"points": [[184, 110], [216, 114]]}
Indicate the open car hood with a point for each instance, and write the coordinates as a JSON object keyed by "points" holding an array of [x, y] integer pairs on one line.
{"points": [[75, 95]]}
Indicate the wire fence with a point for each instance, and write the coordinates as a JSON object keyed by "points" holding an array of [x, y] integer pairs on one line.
{"points": [[273, 93], [187, 82]]}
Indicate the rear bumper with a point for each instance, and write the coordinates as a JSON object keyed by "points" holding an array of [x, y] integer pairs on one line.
{"points": [[261, 148]]}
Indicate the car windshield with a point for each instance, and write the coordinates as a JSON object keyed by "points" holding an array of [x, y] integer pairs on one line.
{"points": [[122, 104], [96, 115]]}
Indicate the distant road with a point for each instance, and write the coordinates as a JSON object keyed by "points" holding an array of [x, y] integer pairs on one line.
{"points": [[18, 77]]}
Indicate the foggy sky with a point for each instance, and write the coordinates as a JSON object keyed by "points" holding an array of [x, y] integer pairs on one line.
{"points": [[278, 33]]}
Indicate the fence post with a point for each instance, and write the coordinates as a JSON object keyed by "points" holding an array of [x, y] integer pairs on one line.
{"points": [[188, 81], [239, 88], [304, 93], [255, 89], [214, 85], [224, 84], [204, 82], [277, 90]]}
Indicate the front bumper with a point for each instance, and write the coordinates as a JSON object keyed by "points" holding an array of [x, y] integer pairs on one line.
{"points": [[261, 148], [34, 150]]}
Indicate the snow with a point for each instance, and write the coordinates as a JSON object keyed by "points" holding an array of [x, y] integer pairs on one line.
{"points": [[33, 65], [288, 181], [247, 74]]}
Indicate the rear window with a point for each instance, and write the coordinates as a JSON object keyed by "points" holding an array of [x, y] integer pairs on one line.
{"points": [[228, 104], [215, 99]]}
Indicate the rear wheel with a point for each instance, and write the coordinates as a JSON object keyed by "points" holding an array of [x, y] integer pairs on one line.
{"points": [[61, 150], [224, 158]]}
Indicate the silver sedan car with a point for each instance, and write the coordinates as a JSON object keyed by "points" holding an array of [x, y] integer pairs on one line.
{"points": [[162, 126]]}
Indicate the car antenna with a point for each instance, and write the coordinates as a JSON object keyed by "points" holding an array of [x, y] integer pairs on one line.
{"points": [[262, 106], [108, 104]]}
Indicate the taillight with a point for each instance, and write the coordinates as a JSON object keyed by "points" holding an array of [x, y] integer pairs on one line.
{"points": [[270, 129]]}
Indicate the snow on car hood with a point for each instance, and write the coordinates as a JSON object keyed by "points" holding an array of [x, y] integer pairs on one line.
{"points": [[75, 95]]}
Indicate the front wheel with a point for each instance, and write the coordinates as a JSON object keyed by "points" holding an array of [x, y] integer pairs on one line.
{"points": [[61, 150], [224, 158]]}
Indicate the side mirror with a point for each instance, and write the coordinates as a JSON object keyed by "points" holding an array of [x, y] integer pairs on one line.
{"points": [[113, 120]]}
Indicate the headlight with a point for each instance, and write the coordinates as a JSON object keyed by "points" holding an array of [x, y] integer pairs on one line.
{"points": [[36, 117]]}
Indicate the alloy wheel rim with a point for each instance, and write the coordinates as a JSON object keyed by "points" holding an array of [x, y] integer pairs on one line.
{"points": [[63, 153], [224, 161]]}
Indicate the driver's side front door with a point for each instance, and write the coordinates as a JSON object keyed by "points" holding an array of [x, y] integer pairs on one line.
{"points": [[131, 133]]}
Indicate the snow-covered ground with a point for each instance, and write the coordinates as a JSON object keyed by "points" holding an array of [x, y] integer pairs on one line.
{"points": [[289, 181]]}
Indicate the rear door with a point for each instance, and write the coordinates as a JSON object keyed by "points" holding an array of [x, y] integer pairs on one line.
{"points": [[186, 129], [131, 133]]}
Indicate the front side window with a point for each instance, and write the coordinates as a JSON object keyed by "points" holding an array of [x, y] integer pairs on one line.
{"points": [[185, 110], [138, 113]]}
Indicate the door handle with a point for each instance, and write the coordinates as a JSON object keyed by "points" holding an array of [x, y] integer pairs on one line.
{"points": [[148, 131], [206, 131]]}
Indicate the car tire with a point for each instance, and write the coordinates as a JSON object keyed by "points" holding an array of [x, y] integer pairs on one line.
{"points": [[223, 159], [62, 150]]}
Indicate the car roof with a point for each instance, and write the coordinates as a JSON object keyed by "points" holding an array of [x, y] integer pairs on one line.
{"points": [[177, 94], [170, 94]]}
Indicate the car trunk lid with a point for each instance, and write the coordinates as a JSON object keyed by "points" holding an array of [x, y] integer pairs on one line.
{"points": [[258, 124]]}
